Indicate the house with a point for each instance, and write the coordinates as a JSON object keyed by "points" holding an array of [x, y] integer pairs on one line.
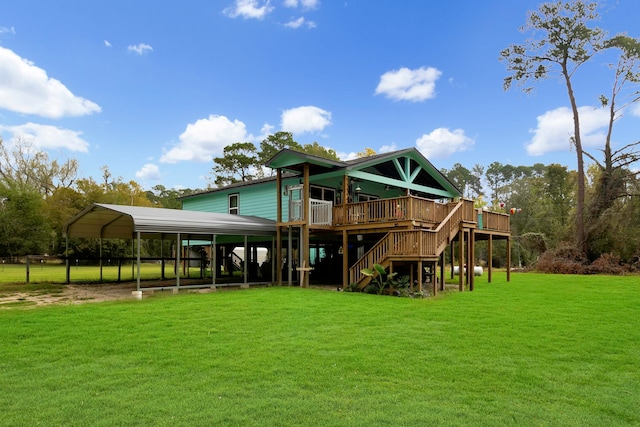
{"points": [[334, 218]]}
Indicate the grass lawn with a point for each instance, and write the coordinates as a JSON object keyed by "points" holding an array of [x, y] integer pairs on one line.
{"points": [[56, 273], [540, 350]]}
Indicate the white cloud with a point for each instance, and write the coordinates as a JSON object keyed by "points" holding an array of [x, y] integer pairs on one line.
{"points": [[10, 30], [388, 148], [297, 23], [635, 110], [249, 9], [305, 119], [305, 4], [107, 43], [442, 143], [25, 88], [409, 85], [49, 137], [205, 138], [555, 129], [140, 48], [149, 172], [266, 130]]}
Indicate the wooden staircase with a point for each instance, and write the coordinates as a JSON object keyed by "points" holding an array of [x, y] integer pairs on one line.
{"points": [[424, 244]]}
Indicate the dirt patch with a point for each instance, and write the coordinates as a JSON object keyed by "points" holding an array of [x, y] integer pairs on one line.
{"points": [[69, 294]]}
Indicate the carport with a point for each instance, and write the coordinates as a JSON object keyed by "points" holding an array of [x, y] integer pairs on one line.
{"points": [[105, 221]]}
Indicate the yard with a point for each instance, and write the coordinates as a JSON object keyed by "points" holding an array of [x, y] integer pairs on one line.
{"points": [[539, 350]]}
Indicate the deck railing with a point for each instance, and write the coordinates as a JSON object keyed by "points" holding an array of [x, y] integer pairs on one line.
{"points": [[495, 221], [412, 243], [320, 211], [389, 210], [406, 208]]}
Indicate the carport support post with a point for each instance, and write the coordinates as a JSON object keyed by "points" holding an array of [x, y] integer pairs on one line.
{"points": [[247, 257], [66, 255], [214, 260], [162, 256], [138, 261], [178, 250], [100, 243]]}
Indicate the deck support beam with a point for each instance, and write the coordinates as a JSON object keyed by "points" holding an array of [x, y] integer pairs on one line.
{"points": [[278, 257], [461, 259], [508, 258], [489, 258]]}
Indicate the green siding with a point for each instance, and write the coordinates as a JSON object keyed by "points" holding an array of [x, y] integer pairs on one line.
{"points": [[254, 200]]}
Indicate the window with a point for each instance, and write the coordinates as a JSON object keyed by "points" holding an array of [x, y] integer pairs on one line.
{"points": [[234, 204], [322, 193], [366, 197]]}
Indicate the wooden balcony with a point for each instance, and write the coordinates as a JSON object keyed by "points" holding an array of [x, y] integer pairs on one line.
{"points": [[416, 211]]}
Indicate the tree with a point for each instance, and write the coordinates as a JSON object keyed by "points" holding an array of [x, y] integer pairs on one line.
{"points": [[568, 43], [318, 150], [498, 176], [273, 144], [476, 181], [23, 225], [168, 198], [459, 176], [25, 165], [237, 164], [615, 170], [367, 152]]}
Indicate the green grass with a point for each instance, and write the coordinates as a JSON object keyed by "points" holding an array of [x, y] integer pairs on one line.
{"points": [[541, 350], [56, 273]]}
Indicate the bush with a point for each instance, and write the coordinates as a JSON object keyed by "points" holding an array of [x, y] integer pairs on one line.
{"points": [[567, 259], [606, 264]]}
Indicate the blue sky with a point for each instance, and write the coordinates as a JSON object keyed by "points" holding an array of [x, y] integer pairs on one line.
{"points": [[155, 90]]}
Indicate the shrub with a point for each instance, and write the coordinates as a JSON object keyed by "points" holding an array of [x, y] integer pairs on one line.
{"points": [[567, 259], [606, 264]]}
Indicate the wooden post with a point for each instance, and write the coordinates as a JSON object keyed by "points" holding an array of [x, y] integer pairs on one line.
{"points": [[472, 258], [278, 258], [489, 258], [420, 276], [304, 244], [345, 259], [461, 258], [508, 258], [442, 271], [302, 270], [451, 253]]}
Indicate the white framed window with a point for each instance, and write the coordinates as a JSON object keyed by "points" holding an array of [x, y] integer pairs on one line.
{"points": [[322, 193], [234, 204]]}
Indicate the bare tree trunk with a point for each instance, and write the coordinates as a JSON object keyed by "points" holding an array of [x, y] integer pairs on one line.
{"points": [[580, 233]]}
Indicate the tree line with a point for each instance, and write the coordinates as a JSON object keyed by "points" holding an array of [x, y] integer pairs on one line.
{"points": [[593, 208], [38, 196]]}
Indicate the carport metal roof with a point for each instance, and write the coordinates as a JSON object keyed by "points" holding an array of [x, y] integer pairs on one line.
{"points": [[116, 221]]}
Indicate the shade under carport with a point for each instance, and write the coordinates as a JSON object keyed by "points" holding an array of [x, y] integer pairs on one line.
{"points": [[135, 222]]}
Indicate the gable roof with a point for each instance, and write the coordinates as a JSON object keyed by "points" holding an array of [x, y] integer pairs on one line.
{"points": [[116, 221], [406, 168]]}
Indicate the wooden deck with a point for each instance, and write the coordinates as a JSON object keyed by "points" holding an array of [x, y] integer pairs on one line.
{"points": [[415, 229]]}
